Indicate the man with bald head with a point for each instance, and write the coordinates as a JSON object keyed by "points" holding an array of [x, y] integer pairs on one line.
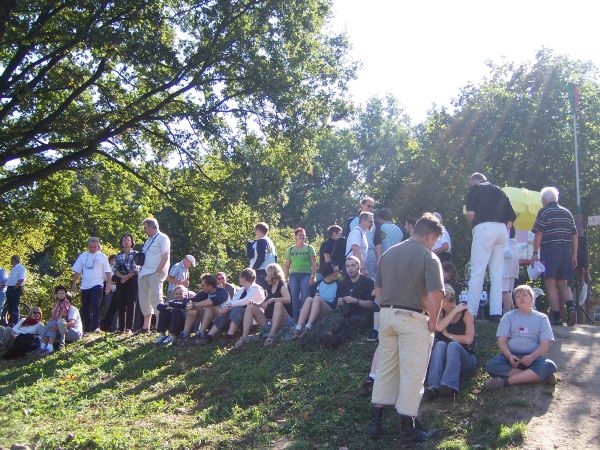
{"points": [[491, 215]]}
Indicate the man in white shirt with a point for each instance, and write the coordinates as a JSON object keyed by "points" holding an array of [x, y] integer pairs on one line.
{"points": [[357, 243], [443, 246], [95, 271], [14, 289], [157, 251]]}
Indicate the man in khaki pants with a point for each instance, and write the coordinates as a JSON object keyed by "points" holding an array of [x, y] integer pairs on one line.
{"points": [[410, 288]]}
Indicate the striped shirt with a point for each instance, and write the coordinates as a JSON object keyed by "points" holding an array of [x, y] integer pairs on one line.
{"points": [[556, 224], [179, 272]]}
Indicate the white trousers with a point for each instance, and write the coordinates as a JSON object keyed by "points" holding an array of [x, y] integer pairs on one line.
{"points": [[487, 249]]}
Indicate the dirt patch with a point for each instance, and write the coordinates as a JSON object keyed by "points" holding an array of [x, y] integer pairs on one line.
{"points": [[572, 419]]}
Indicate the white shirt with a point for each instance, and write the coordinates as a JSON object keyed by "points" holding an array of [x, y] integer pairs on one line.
{"points": [[255, 293], [3, 279], [31, 329], [443, 239], [358, 237], [73, 314], [93, 268], [16, 273], [154, 247]]}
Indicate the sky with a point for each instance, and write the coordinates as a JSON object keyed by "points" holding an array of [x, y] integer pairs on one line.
{"points": [[424, 51]]}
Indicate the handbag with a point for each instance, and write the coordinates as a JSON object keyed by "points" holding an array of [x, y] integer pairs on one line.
{"points": [[140, 258]]}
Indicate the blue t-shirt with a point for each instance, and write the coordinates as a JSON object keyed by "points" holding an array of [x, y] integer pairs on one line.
{"points": [[217, 298], [328, 291], [388, 234]]}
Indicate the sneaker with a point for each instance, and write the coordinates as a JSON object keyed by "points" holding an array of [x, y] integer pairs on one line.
{"points": [[97, 331], [551, 380], [572, 317], [269, 341], [367, 387], [494, 383], [160, 339], [373, 336], [168, 340]]}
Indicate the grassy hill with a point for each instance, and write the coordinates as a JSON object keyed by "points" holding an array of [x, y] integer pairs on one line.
{"points": [[122, 392]]}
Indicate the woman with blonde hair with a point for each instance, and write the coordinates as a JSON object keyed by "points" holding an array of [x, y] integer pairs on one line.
{"points": [[275, 308]]}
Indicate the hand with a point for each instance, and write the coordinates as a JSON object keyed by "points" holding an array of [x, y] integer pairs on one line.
{"points": [[533, 259], [185, 282], [73, 288], [526, 360], [311, 280], [459, 308], [514, 361], [107, 289], [340, 301], [189, 306], [431, 325]]}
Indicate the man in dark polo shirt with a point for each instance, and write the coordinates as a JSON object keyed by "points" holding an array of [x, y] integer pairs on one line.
{"points": [[491, 215], [556, 243], [410, 288]]}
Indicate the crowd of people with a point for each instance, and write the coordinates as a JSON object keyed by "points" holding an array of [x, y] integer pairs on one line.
{"points": [[394, 282]]}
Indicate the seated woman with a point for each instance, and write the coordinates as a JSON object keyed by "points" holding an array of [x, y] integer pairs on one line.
{"points": [[276, 308], [322, 302], [524, 336], [222, 283], [172, 317], [452, 353], [64, 324], [23, 337]]}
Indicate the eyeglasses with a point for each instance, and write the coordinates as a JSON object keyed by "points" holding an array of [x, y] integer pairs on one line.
{"points": [[36, 313]]}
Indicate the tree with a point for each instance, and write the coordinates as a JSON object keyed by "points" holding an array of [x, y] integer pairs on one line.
{"points": [[132, 81]]}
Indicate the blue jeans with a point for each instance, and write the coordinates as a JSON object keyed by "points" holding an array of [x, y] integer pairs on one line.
{"points": [[499, 366], [90, 308], [13, 299], [448, 362], [2, 300], [299, 290]]}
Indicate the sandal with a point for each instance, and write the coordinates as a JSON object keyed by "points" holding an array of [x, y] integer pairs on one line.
{"points": [[270, 340]]}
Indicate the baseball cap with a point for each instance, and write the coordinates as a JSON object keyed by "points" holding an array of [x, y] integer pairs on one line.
{"points": [[191, 259]]}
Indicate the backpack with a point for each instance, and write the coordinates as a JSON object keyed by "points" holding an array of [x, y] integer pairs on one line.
{"points": [[332, 322]]}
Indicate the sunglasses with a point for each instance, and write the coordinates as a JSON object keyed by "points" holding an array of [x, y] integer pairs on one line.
{"points": [[37, 313]]}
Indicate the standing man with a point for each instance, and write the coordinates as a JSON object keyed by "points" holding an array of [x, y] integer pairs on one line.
{"points": [[357, 243], [443, 246], [157, 251], [179, 275], [490, 214], [14, 288], [334, 233], [367, 204], [94, 269], [409, 225], [556, 238], [410, 289], [261, 253]]}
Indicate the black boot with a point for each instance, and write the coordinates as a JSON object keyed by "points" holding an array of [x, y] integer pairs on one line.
{"points": [[414, 431], [375, 428]]}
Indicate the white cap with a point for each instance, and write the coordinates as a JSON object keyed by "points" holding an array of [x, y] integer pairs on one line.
{"points": [[191, 259]]}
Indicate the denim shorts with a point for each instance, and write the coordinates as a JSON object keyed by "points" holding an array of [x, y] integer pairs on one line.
{"points": [[499, 366], [557, 260]]}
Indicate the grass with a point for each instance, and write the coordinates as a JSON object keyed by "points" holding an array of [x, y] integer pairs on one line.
{"points": [[118, 392]]}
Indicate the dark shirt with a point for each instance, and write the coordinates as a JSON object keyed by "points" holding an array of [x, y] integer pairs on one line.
{"points": [[458, 328], [490, 204], [217, 298], [362, 289], [556, 224], [124, 263], [326, 247]]}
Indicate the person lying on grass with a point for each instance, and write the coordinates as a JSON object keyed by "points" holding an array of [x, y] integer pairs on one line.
{"points": [[322, 302], [524, 336], [172, 317], [452, 354], [64, 324], [233, 313], [277, 307]]}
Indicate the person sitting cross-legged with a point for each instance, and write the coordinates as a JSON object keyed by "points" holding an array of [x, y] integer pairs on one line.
{"points": [[452, 354], [356, 301], [205, 306], [276, 308], [172, 317], [524, 336], [64, 325], [322, 302], [233, 313]]}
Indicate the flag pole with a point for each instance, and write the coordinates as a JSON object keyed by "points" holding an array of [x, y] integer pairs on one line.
{"points": [[574, 97]]}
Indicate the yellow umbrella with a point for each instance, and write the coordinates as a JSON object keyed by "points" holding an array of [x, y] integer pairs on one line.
{"points": [[526, 204]]}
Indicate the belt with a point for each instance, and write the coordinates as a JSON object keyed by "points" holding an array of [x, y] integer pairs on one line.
{"points": [[407, 308]]}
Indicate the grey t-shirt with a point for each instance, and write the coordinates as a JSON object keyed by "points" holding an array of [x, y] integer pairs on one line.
{"points": [[525, 331], [407, 273]]}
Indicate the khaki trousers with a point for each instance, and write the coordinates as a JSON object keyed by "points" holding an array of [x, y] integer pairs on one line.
{"points": [[150, 293], [404, 348]]}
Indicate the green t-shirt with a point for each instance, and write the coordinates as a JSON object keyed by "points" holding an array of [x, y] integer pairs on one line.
{"points": [[300, 258]]}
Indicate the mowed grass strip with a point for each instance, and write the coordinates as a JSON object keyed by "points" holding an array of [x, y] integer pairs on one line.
{"points": [[122, 392]]}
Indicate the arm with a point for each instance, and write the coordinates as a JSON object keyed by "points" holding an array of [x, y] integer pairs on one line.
{"points": [[285, 295], [574, 245], [286, 268], [74, 279], [544, 346], [537, 241], [378, 250], [443, 323], [442, 248], [313, 269], [20, 282], [165, 246], [467, 338], [356, 252], [261, 248], [432, 305], [107, 276]]}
